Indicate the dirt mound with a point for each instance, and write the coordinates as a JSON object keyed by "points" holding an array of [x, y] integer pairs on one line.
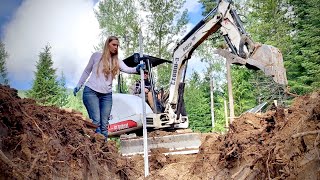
{"points": [[282, 144], [41, 142]]}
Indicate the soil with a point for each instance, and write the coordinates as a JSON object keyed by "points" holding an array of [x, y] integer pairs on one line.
{"points": [[45, 142]]}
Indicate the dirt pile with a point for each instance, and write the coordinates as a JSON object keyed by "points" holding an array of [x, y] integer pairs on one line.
{"points": [[40, 142], [275, 145], [283, 144], [280, 144]]}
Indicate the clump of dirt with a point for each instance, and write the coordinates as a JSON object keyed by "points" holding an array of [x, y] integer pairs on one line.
{"points": [[44, 142]]}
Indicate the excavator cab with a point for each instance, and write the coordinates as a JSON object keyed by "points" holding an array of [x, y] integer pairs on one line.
{"points": [[150, 62]]}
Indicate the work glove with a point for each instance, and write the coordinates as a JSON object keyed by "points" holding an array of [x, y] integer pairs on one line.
{"points": [[75, 90], [139, 67]]}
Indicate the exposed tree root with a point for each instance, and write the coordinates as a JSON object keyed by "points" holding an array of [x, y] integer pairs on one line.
{"points": [[16, 170], [305, 133]]}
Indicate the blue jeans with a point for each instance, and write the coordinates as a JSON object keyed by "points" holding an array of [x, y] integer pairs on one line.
{"points": [[99, 108]]}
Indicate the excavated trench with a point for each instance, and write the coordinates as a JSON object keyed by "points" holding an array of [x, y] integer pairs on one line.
{"points": [[43, 142]]}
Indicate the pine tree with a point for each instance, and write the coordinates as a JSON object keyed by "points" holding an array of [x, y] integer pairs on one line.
{"points": [[269, 22], [243, 91], [3, 69], [197, 106], [46, 89], [304, 59]]}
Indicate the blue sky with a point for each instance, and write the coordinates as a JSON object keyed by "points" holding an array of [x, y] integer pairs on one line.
{"points": [[72, 35], [7, 10]]}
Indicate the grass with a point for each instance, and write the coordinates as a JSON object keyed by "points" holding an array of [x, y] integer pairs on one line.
{"points": [[22, 93]]}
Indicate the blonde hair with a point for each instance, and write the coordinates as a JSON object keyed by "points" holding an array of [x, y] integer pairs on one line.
{"points": [[106, 58]]}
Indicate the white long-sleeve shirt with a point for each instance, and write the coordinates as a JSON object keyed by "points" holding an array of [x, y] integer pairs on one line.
{"points": [[98, 82]]}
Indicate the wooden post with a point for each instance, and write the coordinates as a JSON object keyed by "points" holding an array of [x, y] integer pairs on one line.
{"points": [[212, 100], [226, 112], [231, 107]]}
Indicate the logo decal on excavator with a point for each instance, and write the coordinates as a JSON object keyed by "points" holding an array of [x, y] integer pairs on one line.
{"points": [[122, 125], [187, 46], [174, 71]]}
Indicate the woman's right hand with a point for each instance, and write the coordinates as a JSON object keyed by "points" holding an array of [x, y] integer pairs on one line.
{"points": [[139, 66]]}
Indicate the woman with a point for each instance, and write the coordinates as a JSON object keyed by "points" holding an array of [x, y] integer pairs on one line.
{"points": [[97, 93]]}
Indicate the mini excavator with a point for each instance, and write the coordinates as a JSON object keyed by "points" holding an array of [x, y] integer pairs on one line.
{"points": [[169, 111]]}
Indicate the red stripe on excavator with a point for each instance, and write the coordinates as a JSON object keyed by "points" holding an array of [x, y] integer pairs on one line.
{"points": [[122, 125]]}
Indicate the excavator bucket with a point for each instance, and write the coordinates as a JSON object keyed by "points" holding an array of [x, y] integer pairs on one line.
{"points": [[265, 57], [269, 60]]}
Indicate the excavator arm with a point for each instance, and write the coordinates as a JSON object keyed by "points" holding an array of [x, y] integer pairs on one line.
{"points": [[242, 51]]}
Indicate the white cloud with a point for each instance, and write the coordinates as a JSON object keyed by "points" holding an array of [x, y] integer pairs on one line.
{"points": [[70, 27]]}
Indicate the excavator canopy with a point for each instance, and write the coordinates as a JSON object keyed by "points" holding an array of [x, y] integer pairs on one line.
{"points": [[154, 61]]}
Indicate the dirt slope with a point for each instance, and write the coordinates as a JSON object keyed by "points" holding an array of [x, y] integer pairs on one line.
{"points": [[38, 142]]}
